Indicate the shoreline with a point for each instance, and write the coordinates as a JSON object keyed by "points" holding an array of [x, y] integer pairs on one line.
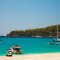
{"points": [[46, 56], [32, 54]]}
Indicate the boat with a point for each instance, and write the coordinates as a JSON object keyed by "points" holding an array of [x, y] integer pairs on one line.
{"points": [[9, 53], [53, 43], [16, 49], [57, 40]]}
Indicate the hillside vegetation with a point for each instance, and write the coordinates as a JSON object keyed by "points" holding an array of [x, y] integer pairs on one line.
{"points": [[50, 31]]}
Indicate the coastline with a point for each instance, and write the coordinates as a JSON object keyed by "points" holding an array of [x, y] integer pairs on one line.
{"points": [[46, 56]]}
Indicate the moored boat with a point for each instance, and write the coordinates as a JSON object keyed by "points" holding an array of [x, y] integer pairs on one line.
{"points": [[9, 53], [16, 49]]}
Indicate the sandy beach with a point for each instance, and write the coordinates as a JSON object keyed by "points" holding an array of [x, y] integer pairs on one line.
{"points": [[49, 56]]}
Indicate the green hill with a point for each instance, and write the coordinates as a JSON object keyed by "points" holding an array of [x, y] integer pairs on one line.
{"points": [[50, 31]]}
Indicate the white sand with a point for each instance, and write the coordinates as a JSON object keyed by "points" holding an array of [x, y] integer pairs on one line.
{"points": [[50, 56]]}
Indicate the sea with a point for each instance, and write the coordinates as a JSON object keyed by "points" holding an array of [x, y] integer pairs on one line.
{"points": [[29, 45]]}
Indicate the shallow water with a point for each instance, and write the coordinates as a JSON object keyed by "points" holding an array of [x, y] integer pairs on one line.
{"points": [[29, 45]]}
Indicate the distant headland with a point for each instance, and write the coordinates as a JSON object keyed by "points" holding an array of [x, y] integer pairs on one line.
{"points": [[49, 31]]}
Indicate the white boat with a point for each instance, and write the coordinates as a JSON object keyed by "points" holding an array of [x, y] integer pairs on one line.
{"points": [[9, 53], [16, 49], [57, 40]]}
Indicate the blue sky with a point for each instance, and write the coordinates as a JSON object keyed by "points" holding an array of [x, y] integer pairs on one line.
{"points": [[28, 14]]}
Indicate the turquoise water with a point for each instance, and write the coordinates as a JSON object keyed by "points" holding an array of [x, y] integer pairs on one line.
{"points": [[29, 45]]}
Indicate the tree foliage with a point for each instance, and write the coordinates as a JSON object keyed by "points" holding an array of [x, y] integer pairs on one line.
{"points": [[44, 32]]}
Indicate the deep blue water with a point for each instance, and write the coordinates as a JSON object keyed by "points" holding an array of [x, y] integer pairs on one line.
{"points": [[29, 45]]}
